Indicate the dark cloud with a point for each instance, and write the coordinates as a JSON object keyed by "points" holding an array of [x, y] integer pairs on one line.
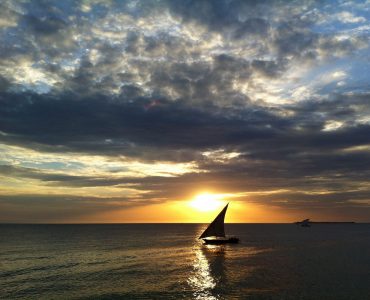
{"points": [[268, 68], [293, 40], [44, 26], [4, 84], [252, 26], [218, 15], [85, 124]]}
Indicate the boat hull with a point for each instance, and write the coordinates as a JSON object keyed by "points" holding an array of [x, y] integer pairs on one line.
{"points": [[232, 240]]}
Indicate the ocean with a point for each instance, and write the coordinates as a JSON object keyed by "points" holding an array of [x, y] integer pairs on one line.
{"points": [[167, 261]]}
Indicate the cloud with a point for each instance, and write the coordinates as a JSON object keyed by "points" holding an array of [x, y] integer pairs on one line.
{"points": [[95, 124], [236, 95], [348, 17], [9, 15]]}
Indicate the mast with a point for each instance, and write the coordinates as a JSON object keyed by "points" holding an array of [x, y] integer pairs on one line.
{"points": [[216, 228]]}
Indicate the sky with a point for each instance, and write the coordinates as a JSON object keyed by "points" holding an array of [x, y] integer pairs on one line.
{"points": [[164, 111]]}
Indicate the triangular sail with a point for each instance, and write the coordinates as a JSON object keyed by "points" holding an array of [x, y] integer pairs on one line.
{"points": [[216, 228]]}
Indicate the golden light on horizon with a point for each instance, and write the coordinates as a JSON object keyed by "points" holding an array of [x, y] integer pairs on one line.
{"points": [[206, 202]]}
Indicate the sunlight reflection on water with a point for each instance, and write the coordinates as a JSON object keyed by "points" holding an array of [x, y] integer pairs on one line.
{"points": [[214, 271], [208, 271]]}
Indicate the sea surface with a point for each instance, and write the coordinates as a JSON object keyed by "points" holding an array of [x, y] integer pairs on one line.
{"points": [[167, 261]]}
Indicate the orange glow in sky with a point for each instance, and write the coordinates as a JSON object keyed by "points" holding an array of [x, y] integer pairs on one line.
{"points": [[202, 208]]}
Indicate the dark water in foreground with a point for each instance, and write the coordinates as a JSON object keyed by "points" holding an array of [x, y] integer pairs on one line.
{"points": [[166, 261]]}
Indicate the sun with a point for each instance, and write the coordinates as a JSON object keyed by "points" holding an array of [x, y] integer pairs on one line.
{"points": [[207, 202]]}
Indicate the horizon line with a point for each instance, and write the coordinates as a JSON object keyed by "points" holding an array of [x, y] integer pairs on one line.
{"points": [[177, 223]]}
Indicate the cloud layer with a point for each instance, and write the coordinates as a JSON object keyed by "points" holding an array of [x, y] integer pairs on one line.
{"points": [[147, 102]]}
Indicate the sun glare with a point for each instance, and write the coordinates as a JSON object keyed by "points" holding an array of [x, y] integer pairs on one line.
{"points": [[207, 202]]}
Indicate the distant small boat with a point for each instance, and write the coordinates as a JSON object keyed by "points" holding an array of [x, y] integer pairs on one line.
{"points": [[304, 223], [215, 232]]}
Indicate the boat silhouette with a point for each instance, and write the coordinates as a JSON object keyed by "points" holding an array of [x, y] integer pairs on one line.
{"points": [[304, 223], [215, 232]]}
